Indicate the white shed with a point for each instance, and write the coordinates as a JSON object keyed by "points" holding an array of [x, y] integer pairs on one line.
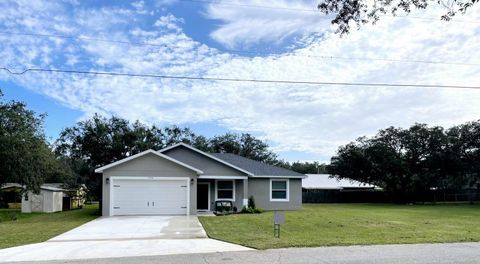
{"points": [[49, 200]]}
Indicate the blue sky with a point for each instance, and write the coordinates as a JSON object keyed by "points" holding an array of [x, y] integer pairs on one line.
{"points": [[231, 40]]}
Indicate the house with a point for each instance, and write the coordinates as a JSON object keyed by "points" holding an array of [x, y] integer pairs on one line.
{"points": [[49, 200], [328, 182], [323, 188], [181, 179]]}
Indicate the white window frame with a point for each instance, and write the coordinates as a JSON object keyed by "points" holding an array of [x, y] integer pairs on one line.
{"points": [[287, 199], [226, 199]]}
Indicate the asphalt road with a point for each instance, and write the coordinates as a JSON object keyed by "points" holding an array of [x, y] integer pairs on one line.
{"points": [[401, 254]]}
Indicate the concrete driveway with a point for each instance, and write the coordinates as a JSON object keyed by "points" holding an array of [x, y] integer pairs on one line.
{"points": [[136, 227], [126, 236]]}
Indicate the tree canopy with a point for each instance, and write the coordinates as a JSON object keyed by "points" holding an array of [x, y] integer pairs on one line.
{"points": [[406, 161], [25, 156], [358, 12]]}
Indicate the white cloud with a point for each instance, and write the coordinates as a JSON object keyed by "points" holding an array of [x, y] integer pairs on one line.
{"points": [[244, 23], [310, 119]]}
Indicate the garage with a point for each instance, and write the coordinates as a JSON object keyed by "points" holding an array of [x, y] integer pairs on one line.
{"points": [[149, 195]]}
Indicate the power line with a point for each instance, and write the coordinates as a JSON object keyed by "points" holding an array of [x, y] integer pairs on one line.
{"points": [[235, 79], [328, 57], [316, 11]]}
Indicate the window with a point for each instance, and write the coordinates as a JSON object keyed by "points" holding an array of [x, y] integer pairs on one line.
{"points": [[279, 190], [225, 190]]}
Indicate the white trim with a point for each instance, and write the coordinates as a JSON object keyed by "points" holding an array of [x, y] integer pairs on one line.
{"points": [[209, 201], [207, 155], [113, 178], [233, 191], [288, 190], [150, 151], [280, 177], [213, 177]]}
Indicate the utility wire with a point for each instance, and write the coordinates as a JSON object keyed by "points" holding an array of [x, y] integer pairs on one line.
{"points": [[328, 57], [316, 11], [235, 79]]}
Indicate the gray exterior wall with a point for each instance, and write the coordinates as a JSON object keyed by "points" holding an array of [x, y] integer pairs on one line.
{"points": [[202, 162], [260, 189], [149, 165]]}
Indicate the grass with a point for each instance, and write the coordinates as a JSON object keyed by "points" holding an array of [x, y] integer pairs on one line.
{"points": [[19, 229], [350, 224]]}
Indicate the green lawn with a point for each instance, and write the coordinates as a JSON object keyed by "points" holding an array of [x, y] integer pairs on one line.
{"points": [[350, 224], [38, 227]]}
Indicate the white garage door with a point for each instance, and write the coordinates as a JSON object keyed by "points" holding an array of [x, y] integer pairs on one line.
{"points": [[149, 197]]}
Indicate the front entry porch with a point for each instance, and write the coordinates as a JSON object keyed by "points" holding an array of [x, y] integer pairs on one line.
{"points": [[214, 188]]}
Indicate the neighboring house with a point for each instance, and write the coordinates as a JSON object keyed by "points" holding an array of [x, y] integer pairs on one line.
{"points": [[327, 182], [183, 180], [323, 188]]}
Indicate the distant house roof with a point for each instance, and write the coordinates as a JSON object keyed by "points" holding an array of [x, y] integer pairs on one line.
{"points": [[9, 185], [257, 168], [54, 187], [324, 181]]}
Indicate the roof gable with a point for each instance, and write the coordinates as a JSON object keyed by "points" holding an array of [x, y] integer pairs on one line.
{"points": [[176, 153], [150, 151]]}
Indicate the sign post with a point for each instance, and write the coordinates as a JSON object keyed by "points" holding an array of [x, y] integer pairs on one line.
{"points": [[278, 219]]}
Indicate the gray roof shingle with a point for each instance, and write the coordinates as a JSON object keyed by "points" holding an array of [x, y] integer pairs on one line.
{"points": [[256, 167]]}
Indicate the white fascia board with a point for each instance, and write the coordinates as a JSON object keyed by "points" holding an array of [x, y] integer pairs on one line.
{"points": [[207, 155], [280, 176], [223, 177], [150, 151]]}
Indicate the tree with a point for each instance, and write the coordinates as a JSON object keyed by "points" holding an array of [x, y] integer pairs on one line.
{"points": [[462, 158], [359, 12], [402, 161], [309, 167], [25, 156], [244, 145]]}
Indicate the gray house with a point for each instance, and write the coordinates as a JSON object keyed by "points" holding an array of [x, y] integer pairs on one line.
{"points": [[184, 180]]}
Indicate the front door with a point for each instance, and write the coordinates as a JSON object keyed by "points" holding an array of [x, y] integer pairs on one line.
{"points": [[203, 196]]}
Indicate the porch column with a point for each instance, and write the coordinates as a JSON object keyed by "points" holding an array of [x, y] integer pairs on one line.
{"points": [[245, 192]]}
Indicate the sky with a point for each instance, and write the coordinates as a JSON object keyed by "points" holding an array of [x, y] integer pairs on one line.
{"points": [[248, 39]]}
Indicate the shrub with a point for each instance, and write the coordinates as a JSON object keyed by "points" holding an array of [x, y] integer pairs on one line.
{"points": [[251, 202], [249, 210], [12, 216]]}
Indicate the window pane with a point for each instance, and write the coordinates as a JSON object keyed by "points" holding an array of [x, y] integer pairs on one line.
{"points": [[282, 185], [225, 194], [225, 185], [279, 194]]}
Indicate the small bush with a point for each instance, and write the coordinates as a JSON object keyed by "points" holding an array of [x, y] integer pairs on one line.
{"points": [[251, 202], [12, 216], [249, 210]]}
